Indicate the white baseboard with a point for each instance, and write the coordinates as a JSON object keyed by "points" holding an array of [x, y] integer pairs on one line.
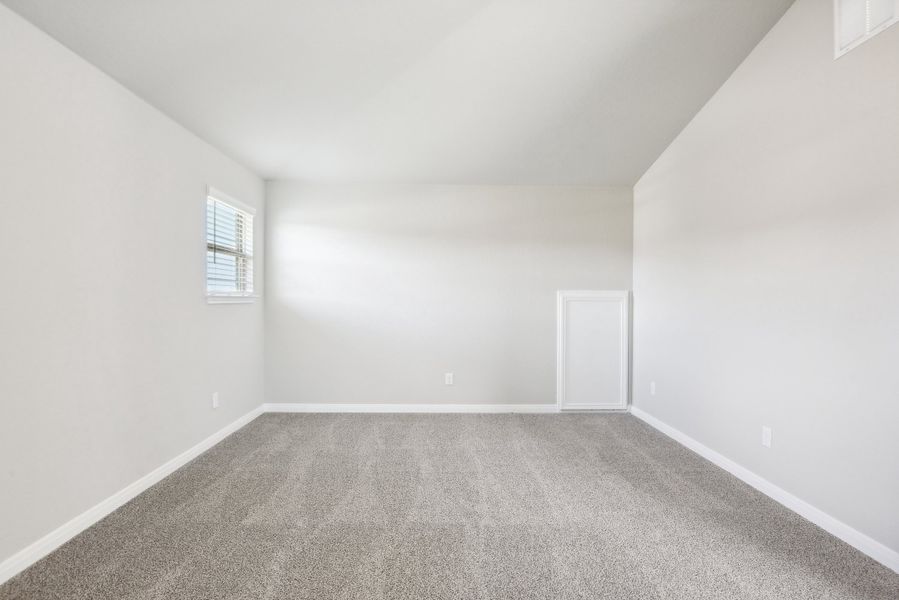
{"points": [[31, 554], [410, 408], [53, 540], [56, 538], [879, 552]]}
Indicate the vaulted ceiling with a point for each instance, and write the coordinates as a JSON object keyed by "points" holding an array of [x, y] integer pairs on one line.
{"points": [[421, 91]]}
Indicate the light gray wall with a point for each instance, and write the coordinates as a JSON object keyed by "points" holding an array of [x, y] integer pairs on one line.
{"points": [[767, 271], [108, 350], [374, 292]]}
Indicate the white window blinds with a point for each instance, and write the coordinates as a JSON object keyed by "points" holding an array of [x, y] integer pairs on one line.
{"points": [[857, 21], [229, 247]]}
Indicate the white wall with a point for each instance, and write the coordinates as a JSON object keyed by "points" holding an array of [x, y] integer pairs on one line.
{"points": [[374, 292], [108, 350], [767, 271]]}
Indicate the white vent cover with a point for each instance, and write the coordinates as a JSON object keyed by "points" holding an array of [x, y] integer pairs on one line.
{"points": [[857, 21]]}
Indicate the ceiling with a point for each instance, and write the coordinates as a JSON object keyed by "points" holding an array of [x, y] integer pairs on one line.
{"points": [[421, 91]]}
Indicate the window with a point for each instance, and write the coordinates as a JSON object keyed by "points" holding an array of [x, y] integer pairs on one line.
{"points": [[229, 249], [857, 21]]}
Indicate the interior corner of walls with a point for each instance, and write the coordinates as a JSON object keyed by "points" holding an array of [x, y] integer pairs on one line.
{"points": [[748, 218], [96, 169]]}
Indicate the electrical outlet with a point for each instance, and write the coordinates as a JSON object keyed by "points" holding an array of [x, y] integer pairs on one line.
{"points": [[652, 388], [447, 379], [215, 399], [766, 436]]}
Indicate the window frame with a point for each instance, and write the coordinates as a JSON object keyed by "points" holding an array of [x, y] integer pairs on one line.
{"points": [[838, 49], [239, 297]]}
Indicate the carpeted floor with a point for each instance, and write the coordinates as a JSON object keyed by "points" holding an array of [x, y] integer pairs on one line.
{"points": [[452, 506]]}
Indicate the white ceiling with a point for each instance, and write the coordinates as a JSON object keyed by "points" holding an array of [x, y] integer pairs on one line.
{"points": [[421, 91]]}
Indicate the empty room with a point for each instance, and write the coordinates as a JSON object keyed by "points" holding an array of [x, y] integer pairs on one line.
{"points": [[449, 299]]}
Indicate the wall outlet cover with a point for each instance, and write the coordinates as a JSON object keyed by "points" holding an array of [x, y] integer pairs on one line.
{"points": [[766, 436]]}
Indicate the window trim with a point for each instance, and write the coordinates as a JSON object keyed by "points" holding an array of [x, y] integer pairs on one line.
{"points": [[227, 297], [839, 51]]}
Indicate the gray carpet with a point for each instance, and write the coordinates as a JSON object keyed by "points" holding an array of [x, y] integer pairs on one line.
{"points": [[452, 506]]}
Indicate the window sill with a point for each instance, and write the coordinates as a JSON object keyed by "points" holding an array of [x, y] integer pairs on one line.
{"points": [[225, 299]]}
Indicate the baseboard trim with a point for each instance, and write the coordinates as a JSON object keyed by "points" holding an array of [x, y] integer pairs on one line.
{"points": [[29, 555], [50, 542], [410, 408], [865, 544]]}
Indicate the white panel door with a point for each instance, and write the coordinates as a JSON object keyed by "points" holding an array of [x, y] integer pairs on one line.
{"points": [[592, 350]]}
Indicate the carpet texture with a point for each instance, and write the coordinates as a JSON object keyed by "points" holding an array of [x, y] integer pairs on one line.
{"points": [[452, 506]]}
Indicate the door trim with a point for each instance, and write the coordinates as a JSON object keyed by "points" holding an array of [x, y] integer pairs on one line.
{"points": [[563, 297]]}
